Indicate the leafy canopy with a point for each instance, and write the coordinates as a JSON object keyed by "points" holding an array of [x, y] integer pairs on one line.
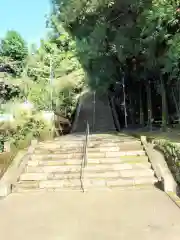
{"points": [[13, 46]]}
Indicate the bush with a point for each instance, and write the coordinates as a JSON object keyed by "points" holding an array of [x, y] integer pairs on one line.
{"points": [[28, 127], [27, 124], [171, 152], [1, 143]]}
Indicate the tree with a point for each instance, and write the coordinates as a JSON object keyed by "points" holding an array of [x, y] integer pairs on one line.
{"points": [[13, 53], [13, 46], [110, 34]]}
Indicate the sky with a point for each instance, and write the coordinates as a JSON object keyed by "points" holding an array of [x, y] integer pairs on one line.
{"points": [[25, 16]]}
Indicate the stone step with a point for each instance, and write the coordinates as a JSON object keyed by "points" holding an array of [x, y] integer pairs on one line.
{"points": [[58, 156], [113, 144], [33, 177], [33, 186], [132, 182], [75, 155], [115, 154], [78, 162], [114, 149], [53, 169], [128, 173], [116, 167], [62, 146], [112, 137], [94, 148], [116, 174], [125, 169], [121, 159], [76, 184], [49, 176], [25, 189], [60, 162], [19, 189], [59, 151], [69, 137], [111, 183]]}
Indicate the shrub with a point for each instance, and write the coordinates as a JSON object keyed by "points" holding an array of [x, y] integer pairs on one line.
{"points": [[27, 124], [172, 155], [1, 143]]}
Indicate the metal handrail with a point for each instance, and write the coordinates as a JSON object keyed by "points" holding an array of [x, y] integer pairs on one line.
{"points": [[84, 159], [85, 146], [94, 109]]}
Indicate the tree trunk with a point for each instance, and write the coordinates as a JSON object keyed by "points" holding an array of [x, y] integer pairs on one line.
{"points": [[149, 104], [124, 103], [164, 105], [176, 105], [141, 107], [132, 110]]}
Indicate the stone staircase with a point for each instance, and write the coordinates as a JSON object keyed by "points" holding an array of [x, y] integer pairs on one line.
{"points": [[96, 110], [113, 161], [117, 161]]}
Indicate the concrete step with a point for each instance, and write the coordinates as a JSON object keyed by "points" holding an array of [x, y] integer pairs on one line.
{"points": [[113, 138], [74, 155], [60, 162], [87, 175], [49, 176], [77, 162], [127, 173], [66, 140], [108, 174], [118, 182], [110, 137], [131, 182], [58, 146], [114, 148], [59, 151], [121, 159], [57, 156], [75, 183], [53, 169], [88, 184], [126, 170], [115, 154], [33, 186], [110, 143], [116, 167], [77, 149]]}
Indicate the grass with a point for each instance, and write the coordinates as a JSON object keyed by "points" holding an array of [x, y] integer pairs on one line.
{"points": [[172, 135]]}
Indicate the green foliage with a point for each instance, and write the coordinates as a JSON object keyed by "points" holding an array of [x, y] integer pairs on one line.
{"points": [[137, 39], [13, 46], [56, 74], [110, 32], [26, 128], [13, 54], [27, 124], [1, 143], [172, 155], [50, 77]]}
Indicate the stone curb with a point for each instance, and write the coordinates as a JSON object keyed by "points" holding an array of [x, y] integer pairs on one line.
{"points": [[161, 170], [11, 175], [173, 196]]}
